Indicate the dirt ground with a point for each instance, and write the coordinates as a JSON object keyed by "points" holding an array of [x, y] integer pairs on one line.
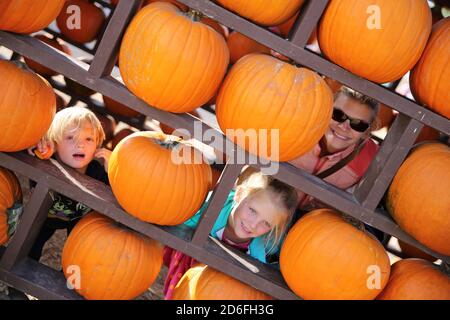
{"points": [[51, 257]]}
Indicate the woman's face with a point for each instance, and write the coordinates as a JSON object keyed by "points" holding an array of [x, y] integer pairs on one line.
{"points": [[340, 135]]}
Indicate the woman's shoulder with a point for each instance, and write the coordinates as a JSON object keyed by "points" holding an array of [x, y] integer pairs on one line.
{"points": [[363, 159]]}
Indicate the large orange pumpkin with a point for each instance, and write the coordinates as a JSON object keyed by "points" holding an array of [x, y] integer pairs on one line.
{"points": [[27, 107], [42, 70], [268, 13], [416, 279], [10, 196], [240, 45], [28, 16], [430, 77], [90, 22], [350, 36], [171, 60], [202, 282], [263, 93], [419, 196], [114, 262], [325, 257], [152, 184]]}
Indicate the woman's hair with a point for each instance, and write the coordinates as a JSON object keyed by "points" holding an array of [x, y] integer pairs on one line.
{"points": [[74, 118], [286, 198], [373, 104]]}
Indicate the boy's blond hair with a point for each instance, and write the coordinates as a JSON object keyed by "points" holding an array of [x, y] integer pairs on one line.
{"points": [[286, 198], [74, 118]]}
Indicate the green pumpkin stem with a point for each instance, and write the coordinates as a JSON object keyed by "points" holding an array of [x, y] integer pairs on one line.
{"points": [[21, 65], [194, 15], [354, 222], [167, 143]]}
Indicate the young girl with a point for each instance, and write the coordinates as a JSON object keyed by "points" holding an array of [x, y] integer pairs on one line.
{"points": [[254, 219]]}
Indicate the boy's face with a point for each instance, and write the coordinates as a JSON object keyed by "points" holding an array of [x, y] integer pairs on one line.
{"points": [[339, 136], [254, 216], [77, 147]]}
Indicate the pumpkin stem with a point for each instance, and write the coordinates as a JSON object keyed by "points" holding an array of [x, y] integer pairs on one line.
{"points": [[354, 222], [167, 143], [21, 65], [194, 15]]}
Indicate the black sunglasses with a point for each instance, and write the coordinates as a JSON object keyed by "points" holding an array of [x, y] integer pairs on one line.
{"points": [[355, 124]]}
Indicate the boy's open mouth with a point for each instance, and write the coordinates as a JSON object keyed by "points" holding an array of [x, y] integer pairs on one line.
{"points": [[78, 156]]}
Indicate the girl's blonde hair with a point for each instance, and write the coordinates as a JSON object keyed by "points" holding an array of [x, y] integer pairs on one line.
{"points": [[287, 198], [74, 118]]}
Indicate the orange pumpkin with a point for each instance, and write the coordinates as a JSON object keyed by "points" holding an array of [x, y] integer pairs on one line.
{"points": [[381, 42], [27, 106], [10, 195], [119, 108], [413, 252], [202, 282], [115, 263], [36, 67], [325, 257], [263, 12], [430, 77], [90, 21], [170, 60], [44, 155], [240, 45], [265, 94], [416, 279], [151, 183], [419, 196], [28, 16]]}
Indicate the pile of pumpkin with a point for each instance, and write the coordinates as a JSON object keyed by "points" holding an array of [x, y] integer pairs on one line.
{"points": [[187, 62]]}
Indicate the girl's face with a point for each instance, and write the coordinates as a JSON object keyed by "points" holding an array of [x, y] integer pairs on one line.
{"points": [[77, 147], [254, 216], [340, 135]]}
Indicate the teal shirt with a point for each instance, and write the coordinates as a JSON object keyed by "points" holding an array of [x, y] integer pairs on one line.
{"points": [[256, 248]]}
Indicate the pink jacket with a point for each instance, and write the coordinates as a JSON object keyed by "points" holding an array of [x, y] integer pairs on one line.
{"points": [[344, 178]]}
